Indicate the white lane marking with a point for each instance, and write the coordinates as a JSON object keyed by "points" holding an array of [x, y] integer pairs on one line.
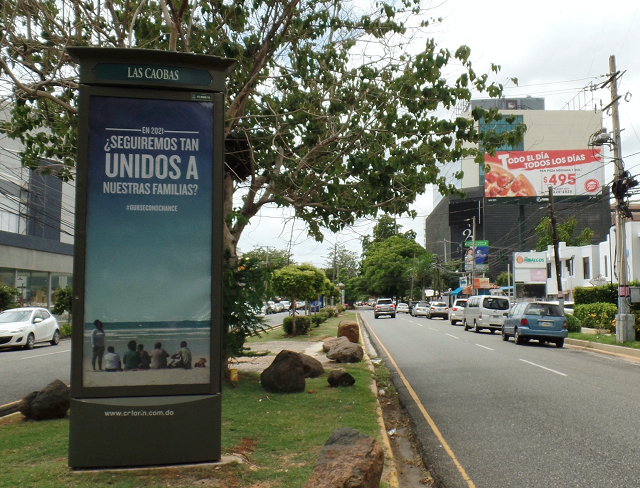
{"points": [[48, 354], [451, 336], [538, 366], [485, 347], [431, 328]]}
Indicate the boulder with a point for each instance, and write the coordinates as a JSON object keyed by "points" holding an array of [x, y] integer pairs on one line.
{"points": [[285, 374], [349, 458], [312, 367], [328, 343], [52, 402], [340, 377], [350, 330], [346, 352]]}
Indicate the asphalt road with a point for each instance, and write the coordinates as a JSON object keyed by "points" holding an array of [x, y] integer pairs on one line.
{"points": [[491, 414], [22, 372]]}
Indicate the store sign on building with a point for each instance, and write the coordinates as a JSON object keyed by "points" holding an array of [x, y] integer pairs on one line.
{"points": [[529, 174]]}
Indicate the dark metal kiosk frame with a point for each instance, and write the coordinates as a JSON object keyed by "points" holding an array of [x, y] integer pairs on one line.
{"points": [[149, 201]]}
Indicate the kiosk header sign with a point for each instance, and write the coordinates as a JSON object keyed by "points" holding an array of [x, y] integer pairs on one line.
{"points": [[148, 266]]}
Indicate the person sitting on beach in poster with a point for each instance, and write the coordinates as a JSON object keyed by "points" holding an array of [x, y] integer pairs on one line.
{"points": [[131, 358], [158, 357], [182, 358], [112, 360], [98, 337], [145, 359]]}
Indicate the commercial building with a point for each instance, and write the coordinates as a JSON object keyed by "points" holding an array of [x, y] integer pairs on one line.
{"points": [[36, 227], [510, 200]]}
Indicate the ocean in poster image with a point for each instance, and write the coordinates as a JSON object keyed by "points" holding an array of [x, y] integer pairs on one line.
{"points": [[170, 334]]}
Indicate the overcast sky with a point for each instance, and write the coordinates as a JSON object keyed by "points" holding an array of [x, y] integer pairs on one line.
{"points": [[556, 49]]}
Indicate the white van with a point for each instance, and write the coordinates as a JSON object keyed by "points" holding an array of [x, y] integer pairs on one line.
{"points": [[485, 312]]}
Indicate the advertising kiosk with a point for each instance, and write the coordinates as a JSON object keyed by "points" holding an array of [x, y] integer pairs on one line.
{"points": [[147, 306]]}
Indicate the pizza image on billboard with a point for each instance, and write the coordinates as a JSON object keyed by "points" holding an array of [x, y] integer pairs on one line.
{"points": [[531, 173], [499, 182]]}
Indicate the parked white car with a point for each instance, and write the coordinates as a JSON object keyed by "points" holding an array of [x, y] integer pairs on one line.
{"points": [[28, 326]]}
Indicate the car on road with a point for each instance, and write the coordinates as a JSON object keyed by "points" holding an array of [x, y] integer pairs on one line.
{"points": [[543, 321], [286, 305], [485, 312], [456, 312], [402, 308], [25, 327], [438, 309], [384, 306], [420, 309]]}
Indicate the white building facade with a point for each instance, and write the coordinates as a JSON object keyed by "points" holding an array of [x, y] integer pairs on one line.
{"points": [[581, 266]]}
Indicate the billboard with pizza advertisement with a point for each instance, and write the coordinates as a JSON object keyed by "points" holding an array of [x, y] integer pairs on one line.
{"points": [[571, 172]]}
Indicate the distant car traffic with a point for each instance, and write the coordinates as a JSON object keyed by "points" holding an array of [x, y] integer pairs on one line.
{"points": [[402, 308], [420, 309], [25, 327], [384, 306], [438, 309], [456, 312], [543, 321]]}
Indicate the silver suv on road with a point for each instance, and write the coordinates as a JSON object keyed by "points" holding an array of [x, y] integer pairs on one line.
{"points": [[384, 306]]}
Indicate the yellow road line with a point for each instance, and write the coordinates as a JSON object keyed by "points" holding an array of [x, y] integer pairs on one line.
{"points": [[426, 416]]}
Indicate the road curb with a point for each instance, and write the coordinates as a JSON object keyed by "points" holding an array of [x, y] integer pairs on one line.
{"points": [[9, 408], [393, 470], [609, 349]]}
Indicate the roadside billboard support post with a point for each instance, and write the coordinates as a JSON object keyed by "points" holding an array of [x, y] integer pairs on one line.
{"points": [[146, 372]]}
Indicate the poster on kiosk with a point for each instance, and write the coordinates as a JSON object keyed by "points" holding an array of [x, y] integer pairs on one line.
{"points": [[146, 342]]}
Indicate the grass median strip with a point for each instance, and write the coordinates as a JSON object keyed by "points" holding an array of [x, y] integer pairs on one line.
{"points": [[278, 436]]}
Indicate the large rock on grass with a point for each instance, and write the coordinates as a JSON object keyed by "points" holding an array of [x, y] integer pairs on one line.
{"points": [[329, 342], [285, 374], [346, 352], [312, 367], [350, 330], [340, 377], [348, 459], [52, 402]]}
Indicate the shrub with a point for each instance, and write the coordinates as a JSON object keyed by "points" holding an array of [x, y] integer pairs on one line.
{"points": [[65, 330], [302, 325], [8, 295], [340, 308], [597, 315], [574, 323], [597, 294], [318, 318]]}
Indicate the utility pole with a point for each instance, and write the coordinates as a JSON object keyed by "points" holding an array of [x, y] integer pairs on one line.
{"points": [[622, 181], [556, 253]]}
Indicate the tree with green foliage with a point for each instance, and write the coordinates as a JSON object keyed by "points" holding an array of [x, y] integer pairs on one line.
{"points": [[63, 299], [565, 230], [327, 113], [386, 269], [341, 263], [8, 295], [298, 282], [270, 257], [504, 279]]}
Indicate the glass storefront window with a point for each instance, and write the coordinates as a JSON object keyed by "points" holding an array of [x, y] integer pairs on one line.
{"points": [[7, 276]]}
